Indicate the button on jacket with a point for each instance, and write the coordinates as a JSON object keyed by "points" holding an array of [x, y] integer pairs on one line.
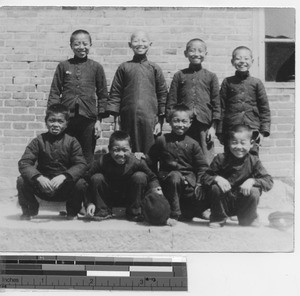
{"points": [[178, 153], [197, 88], [244, 101], [54, 155], [237, 171], [82, 82]]}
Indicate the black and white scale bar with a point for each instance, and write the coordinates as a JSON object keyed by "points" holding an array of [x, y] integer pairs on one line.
{"points": [[96, 273]]}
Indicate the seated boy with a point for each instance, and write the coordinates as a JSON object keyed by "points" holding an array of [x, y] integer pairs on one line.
{"points": [[181, 166], [60, 165], [236, 179], [118, 178]]}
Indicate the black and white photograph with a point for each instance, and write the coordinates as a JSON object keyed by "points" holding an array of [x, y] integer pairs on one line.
{"points": [[147, 129]]}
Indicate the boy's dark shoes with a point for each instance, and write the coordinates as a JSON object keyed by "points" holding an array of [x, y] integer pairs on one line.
{"points": [[102, 217], [135, 218], [217, 224], [25, 217], [69, 217], [182, 218], [29, 213]]}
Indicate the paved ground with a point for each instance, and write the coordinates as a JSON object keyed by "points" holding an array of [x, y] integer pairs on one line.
{"points": [[50, 232]]}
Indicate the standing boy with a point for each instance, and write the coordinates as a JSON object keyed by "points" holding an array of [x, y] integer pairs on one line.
{"points": [[244, 100], [236, 179], [118, 178], [80, 84], [198, 88], [138, 95], [60, 165], [181, 166]]}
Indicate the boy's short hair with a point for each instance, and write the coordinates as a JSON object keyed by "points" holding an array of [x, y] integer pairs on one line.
{"points": [[57, 108], [77, 32], [239, 48], [179, 108], [192, 40], [118, 136], [239, 129]]}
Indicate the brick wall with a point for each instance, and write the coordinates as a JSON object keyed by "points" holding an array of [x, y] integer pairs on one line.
{"points": [[34, 39]]}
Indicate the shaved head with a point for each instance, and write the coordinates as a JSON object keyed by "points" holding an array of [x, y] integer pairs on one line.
{"points": [[139, 33]]}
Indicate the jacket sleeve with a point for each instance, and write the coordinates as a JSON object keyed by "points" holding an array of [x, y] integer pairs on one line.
{"points": [[208, 178], [78, 164], [161, 90], [172, 98], [215, 98], [153, 181], [264, 109], [223, 95], [116, 92], [56, 86], [200, 163], [27, 163], [262, 179], [101, 90]]}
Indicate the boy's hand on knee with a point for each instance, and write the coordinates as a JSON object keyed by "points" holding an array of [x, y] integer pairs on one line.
{"points": [[57, 181], [247, 186], [90, 211], [223, 183], [45, 183], [157, 129], [97, 129], [139, 155]]}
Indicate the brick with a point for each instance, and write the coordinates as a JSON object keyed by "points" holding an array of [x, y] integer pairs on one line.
{"points": [[285, 127], [36, 96], [18, 133], [19, 125], [12, 148], [6, 110], [19, 95], [36, 125], [20, 110], [39, 111], [19, 103], [5, 125], [17, 117]]}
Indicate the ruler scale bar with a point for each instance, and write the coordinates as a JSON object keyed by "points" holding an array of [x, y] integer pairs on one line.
{"points": [[93, 273]]}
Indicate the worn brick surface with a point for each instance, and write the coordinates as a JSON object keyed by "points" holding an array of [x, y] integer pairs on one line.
{"points": [[34, 39]]}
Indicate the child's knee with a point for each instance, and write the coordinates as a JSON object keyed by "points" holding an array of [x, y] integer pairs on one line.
{"points": [[97, 179], [139, 177], [215, 190], [255, 193], [174, 177], [81, 185]]}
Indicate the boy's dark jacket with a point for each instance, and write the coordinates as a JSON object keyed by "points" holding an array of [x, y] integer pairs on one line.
{"points": [[50, 156], [177, 153], [82, 82], [237, 171], [116, 173], [244, 101]]}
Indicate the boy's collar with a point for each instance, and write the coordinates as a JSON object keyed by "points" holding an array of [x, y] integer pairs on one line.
{"points": [[178, 137], [235, 160], [194, 67], [242, 75], [79, 60], [139, 58], [55, 137]]}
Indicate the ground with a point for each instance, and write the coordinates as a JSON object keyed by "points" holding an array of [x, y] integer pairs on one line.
{"points": [[49, 232]]}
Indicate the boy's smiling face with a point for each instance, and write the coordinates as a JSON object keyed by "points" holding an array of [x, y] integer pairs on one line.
{"points": [[81, 45], [119, 151], [180, 122], [240, 143], [56, 123], [140, 43], [242, 60], [196, 52]]}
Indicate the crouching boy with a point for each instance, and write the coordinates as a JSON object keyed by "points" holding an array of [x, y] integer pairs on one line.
{"points": [[118, 178], [51, 167], [180, 163], [236, 179]]}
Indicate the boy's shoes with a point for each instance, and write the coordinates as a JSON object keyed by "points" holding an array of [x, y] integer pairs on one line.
{"points": [[135, 218], [233, 218], [29, 213], [25, 217], [71, 217], [217, 224], [102, 217], [256, 223]]}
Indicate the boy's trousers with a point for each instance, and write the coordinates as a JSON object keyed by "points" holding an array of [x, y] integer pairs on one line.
{"points": [[181, 197], [198, 131], [69, 191], [233, 204], [128, 193], [83, 130]]}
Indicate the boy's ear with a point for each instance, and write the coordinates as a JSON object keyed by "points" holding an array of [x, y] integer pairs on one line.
{"points": [[150, 43], [185, 53], [252, 143], [129, 44]]}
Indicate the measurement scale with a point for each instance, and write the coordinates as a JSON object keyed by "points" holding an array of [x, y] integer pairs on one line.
{"points": [[93, 273]]}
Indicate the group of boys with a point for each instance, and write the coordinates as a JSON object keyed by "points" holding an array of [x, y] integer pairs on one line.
{"points": [[154, 175]]}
